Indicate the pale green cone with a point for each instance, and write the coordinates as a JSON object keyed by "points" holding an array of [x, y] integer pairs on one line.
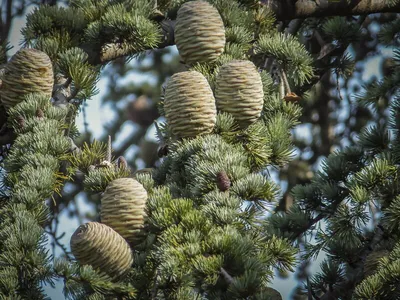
{"points": [[189, 105], [199, 32], [99, 246], [28, 71], [123, 208], [239, 91]]}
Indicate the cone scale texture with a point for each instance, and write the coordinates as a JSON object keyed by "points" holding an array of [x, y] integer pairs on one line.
{"points": [[102, 248], [199, 32], [239, 91], [123, 207], [189, 105], [28, 71]]}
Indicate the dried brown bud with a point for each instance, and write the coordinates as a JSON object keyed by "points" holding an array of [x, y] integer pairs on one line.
{"points": [[122, 163], [21, 121], [39, 113], [292, 97], [223, 181]]}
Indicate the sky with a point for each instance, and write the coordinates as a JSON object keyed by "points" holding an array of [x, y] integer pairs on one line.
{"points": [[99, 115]]}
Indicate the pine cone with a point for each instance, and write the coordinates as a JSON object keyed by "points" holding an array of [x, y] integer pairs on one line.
{"points": [[189, 104], [199, 32], [28, 71], [239, 91], [102, 248], [372, 261], [123, 207]]}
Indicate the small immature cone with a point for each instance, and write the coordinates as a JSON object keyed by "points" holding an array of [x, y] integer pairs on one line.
{"points": [[28, 71], [223, 181], [199, 32], [239, 91], [123, 207], [102, 248], [189, 105]]}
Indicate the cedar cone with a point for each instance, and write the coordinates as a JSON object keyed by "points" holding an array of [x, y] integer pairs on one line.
{"points": [[239, 91], [223, 181], [122, 163], [189, 104], [123, 207], [102, 248], [28, 71], [199, 32]]}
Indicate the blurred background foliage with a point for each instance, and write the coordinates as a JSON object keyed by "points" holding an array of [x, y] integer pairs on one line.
{"points": [[332, 117]]}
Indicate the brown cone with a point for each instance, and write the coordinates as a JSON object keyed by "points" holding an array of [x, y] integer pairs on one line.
{"points": [[223, 181], [102, 248], [28, 71]]}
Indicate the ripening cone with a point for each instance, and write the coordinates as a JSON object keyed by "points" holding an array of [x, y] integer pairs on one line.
{"points": [[102, 248], [28, 71], [189, 104], [239, 91], [123, 207], [199, 32]]}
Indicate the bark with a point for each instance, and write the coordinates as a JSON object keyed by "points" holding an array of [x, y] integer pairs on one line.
{"points": [[300, 9]]}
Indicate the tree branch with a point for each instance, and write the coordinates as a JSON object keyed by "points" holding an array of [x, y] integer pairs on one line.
{"points": [[112, 51], [226, 275], [301, 9]]}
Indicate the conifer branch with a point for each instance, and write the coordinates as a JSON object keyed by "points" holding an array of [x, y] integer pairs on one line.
{"points": [[112, 51], [226, 275], [289, 10]]}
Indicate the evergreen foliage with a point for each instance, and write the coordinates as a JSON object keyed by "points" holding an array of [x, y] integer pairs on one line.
{"points": [[212, 227]]}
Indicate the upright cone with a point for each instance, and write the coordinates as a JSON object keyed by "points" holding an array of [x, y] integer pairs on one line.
{"points": [[199, 32], [123, 207], [189, 105], [239, 91], [102, 248], [28, 71]]}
